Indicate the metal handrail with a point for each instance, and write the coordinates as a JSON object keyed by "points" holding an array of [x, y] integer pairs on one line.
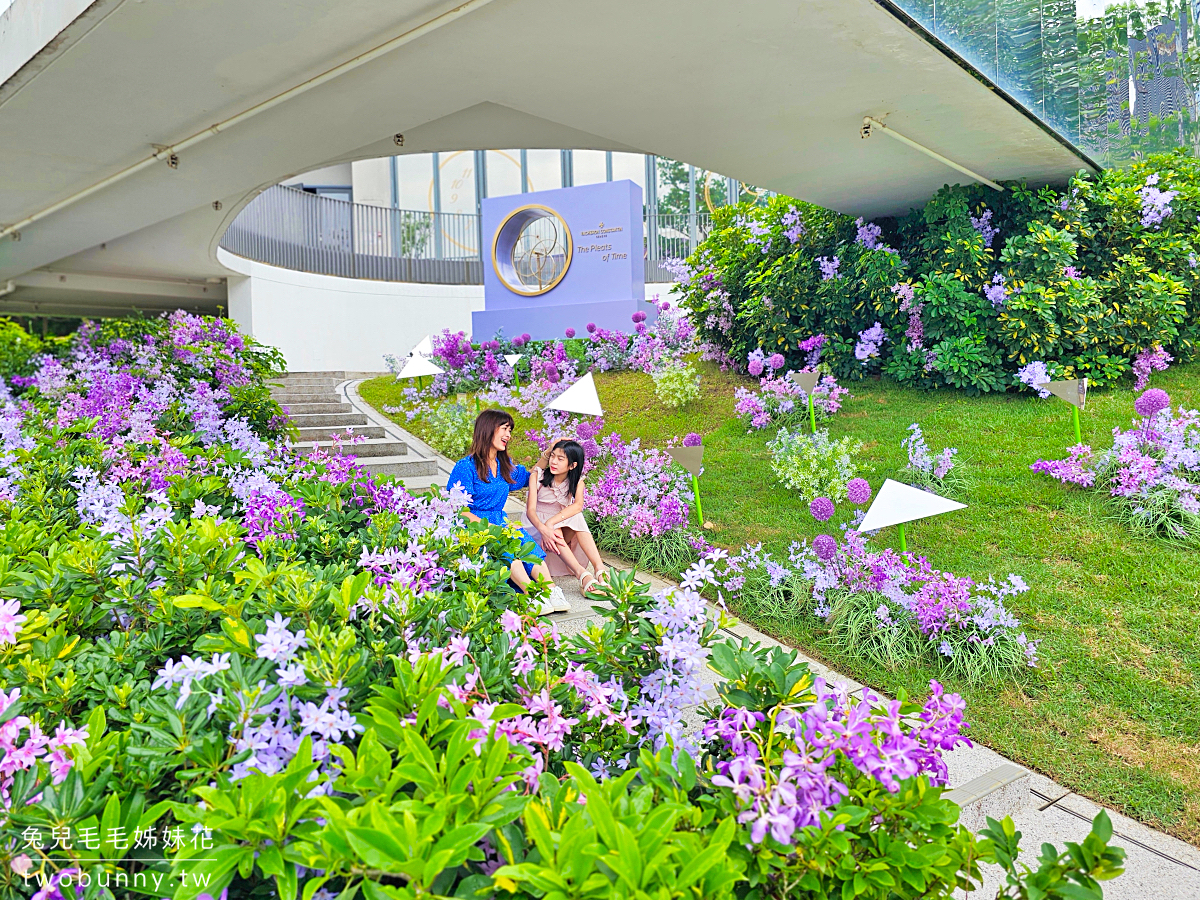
{"points": [[295, 229]]}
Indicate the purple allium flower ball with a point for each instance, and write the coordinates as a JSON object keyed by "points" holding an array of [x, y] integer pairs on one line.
{"points": [[518, 342], [666, 304], [638, 317], [1151, 402], [552, 374], [821, 508], [570, 333], [526, 338], [591, 327], [641, 328], [776, 361], [755, 367], [825, 547], [691, 439], [858, 491]]}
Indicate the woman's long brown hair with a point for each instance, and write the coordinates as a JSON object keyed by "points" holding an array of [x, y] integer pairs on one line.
{"points": [[486, 424]]}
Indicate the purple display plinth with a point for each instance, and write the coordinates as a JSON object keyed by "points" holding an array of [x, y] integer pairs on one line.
{"points": [[599, 238], [543, 323]]}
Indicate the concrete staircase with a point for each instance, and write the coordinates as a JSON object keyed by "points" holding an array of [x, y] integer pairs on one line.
{"points": [[317, 406]]}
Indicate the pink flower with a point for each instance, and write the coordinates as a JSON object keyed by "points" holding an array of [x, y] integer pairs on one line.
{"points": [[11, 620]]}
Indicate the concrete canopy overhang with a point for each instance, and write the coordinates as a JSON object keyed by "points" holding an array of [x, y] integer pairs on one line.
{"points": [[772, 93]]}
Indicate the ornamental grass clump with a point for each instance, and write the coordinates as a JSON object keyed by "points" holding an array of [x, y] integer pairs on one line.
{"points": [[880, 607], [893, 611], [937, 473], [676, 384], [813, 465], [1150, 475]]}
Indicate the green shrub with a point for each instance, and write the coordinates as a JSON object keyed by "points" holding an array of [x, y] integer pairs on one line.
{"points": [[977, 284], [813, 465], [676, 384], [451, 426]]}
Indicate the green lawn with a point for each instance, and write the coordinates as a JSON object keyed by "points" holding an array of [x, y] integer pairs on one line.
{"points": [[1112, 712]]}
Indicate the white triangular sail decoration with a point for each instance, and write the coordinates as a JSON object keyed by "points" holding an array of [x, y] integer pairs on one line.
{"points": [[897, 503], [806, 380], [1074, 391], [512, 359], [581, 398], [419, 363], [691, 458]]}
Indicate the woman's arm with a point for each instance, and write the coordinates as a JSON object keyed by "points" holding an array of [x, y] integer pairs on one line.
{"points": [[531, 501]]}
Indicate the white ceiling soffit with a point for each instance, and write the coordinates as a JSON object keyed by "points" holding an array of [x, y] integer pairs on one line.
{"points": [[773, 93]]}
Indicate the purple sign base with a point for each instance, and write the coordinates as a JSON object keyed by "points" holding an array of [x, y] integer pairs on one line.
{"points": [[545, 323]]}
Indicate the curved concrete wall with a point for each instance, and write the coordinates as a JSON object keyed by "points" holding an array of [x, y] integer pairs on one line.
{"points": [[324, 323]]}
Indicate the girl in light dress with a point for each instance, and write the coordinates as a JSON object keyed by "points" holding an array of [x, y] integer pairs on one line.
{"points": [[554, 511]]}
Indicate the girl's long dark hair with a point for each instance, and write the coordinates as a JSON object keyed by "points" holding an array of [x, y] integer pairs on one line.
{"points": [[486, 424], [575, 459]]}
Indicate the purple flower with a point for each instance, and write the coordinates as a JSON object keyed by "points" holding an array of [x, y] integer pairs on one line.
{"points": [[1151, 359], [825, 546], [570, 333], [552, 374], [983, 224], [525, 338], [996, 292], [829, 267], [858, 491], [1152, 402], [518, 342], [869, 341], [1156, 204], [691, 439], [1033, 375], [591, 327], [821, 509], [776, 361], [638, 317], [755, 362]]}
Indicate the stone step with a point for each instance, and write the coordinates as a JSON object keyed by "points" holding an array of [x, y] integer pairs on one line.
{"points": [[305, 409], [332, 421], [304, 387], [322, 433], [289, 398], [1004, 791], [402, 466], [363, 449], [301, 376]]}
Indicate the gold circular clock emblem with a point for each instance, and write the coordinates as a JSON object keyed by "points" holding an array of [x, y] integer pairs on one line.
{"points": [[531, 250]]}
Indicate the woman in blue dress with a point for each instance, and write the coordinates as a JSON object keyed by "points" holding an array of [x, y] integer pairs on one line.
{"points": [[489, 475]]}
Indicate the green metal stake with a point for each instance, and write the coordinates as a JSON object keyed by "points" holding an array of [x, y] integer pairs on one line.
{"points": [[696, 494], [1075, 418], [812, 414], [903, 546]]}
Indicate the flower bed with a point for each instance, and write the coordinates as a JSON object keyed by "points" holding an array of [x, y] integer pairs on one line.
{"points": [[887, 608], [1151, 474], [273, 674]]}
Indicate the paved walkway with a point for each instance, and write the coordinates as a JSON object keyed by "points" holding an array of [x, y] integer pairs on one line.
{"points": [[983, 782]]}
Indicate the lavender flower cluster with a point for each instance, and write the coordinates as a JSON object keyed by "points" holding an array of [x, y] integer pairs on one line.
{"points": [[640, 490], [1151, 473]]}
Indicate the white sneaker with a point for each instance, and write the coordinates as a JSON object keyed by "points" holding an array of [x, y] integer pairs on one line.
{"points": [[547, 608], [559, 600]]}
